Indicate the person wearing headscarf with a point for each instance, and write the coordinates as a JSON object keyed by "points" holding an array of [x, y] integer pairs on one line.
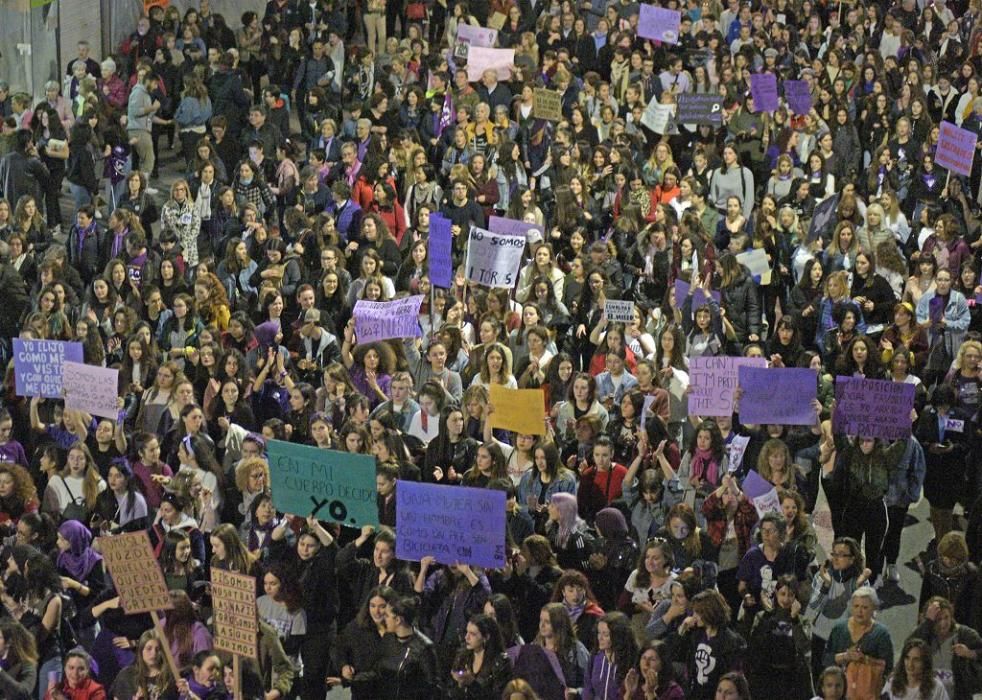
{"points": [[81, 568]]}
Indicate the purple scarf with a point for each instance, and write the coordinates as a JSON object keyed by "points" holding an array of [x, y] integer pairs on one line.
{"points": [[79, 559]]}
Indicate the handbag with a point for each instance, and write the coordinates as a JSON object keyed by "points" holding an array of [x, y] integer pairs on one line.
{"points": [[864, 680], [416, 11], [74, 510]]}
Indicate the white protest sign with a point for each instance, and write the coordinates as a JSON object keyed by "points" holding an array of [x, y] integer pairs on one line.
{"points": [[91, 389], [619, 310], [493, 259]]}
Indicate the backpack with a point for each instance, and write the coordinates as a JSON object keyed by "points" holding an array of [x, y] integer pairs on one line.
{"points": [[772, 644], [74, 510]]}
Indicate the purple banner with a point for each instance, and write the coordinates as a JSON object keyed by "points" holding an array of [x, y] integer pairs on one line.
{"points": [[450, 523], [698, 296], [713, 381], [660, 24], [439, 251], [873, 408], [779, 396], [381, 320], [798, 96], [39, 366], [512, 227], [763, 88], [956, 149]]}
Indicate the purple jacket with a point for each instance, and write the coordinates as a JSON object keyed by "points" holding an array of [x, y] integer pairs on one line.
{"points": [[601, 680]]}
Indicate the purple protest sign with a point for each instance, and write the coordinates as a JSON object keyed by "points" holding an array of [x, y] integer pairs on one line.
{"points": [[798, 96], [439, 251], [512, 227], [39, 366], [380, 320], [698, 296], [450, 523], [935, 309], [713, 381], [779, 396], [761, 493], [660, 24], [956, 149], [874, 408], [763, 88]]}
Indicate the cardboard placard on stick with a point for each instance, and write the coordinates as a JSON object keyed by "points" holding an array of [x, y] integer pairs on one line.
{"points": [[135, 572], [547, 104], [234, 603]]}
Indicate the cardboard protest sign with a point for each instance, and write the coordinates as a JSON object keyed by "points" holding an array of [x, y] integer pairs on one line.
{"points": [[440, 251], [480, 59], [547, 104], [519, 410], [38, 366], [872, 408], [619, 310], [233, 598], [956, 149], [450, 523], [91, 389], [497, 20], [512, 227], [798, 96], [762, 493], [778, 395], [494, 259], [328, 484], [703, 108], [381, 320], [763, 88], [659, 23], [713, 381], [138, 579], [698, 297]]}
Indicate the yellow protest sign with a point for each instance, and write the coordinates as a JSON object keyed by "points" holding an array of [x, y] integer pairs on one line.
{"points": [[139, 580], [518, 410]]}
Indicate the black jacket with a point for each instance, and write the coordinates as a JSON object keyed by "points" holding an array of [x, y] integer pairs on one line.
{"points": [[20, 175], [15, 299], [406, 670], [229, 99], [88, 255], [742, 306], [488, 684]]}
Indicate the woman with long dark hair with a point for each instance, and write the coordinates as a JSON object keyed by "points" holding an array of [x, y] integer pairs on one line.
{"points": [[481, 669], [360, 643]]}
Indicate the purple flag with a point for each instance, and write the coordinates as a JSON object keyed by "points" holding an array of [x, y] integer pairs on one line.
{"points": [[439, 245], [798, 96], [446, 114]]}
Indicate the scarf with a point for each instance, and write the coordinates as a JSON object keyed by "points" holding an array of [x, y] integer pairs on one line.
{"points": [[642, 198], [79, 559], [84, 233], [203, 202], [575, 611], [351, 174], [118, 241], [253, 544], [705, 466]]}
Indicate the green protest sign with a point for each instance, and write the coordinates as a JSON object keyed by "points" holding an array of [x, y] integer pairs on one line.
{"points": [[330, 485]]}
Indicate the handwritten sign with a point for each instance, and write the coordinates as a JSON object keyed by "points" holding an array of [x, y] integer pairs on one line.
{"points": [[798, 96], [701, 109], [619, 310], [699, 298], [956, 149], [476, 36], [135, 573], [512, 227], [547, 104], [451, 524], [779, 395], [328, 484], [713, 381], [38, 366], [233, 599], [493, 259], [439, 253], [497, 20], [519, 410], [659, 23], [763, 88], [762, 493], [91, 389], [873, 408], [657, 116], [380, 320], [480, 59]]}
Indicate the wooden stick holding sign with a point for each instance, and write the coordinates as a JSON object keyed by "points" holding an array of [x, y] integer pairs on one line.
{"points": [[139, 581]]}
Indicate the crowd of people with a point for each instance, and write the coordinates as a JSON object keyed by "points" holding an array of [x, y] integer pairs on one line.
{"points": [[311, 145]]}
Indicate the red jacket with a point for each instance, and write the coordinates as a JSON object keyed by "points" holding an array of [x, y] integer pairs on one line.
{"points": [[394, 218], [89, 690], [599, 489]]}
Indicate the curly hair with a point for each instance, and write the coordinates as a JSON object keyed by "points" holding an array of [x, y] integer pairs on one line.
{"points": [[24, 489]]}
